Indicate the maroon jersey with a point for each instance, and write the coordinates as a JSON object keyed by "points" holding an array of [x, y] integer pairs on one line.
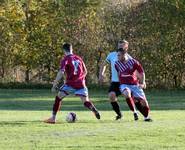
{"points": [[126, 71], [75, 71]]}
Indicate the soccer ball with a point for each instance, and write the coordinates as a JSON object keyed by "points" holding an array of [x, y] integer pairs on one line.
{"points": [[71, 117]]}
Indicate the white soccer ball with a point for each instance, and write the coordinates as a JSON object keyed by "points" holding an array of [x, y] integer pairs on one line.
{"points": [[71, 117]]}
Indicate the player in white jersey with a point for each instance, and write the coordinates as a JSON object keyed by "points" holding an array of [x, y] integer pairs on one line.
{"points": [[114, 90]]}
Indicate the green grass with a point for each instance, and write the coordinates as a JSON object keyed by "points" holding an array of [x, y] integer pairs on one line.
{"points": [[22, 112]]}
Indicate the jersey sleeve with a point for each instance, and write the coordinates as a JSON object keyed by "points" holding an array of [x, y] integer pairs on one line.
{"points": [[139, 67], [63, 64], [108, 59]]}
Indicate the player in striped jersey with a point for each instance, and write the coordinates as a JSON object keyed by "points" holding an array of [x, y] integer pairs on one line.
{"points": [[114, 90], [131, 86]]}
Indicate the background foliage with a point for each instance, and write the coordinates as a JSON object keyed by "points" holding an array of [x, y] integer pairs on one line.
{"points": [[32, 31]]}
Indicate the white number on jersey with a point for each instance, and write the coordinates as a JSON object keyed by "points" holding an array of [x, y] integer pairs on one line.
{"points": [[76, 64]]}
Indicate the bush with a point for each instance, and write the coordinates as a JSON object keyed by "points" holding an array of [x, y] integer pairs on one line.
{"points": [[18, 85]]}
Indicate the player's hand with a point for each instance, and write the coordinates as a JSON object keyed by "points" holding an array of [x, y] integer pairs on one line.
{"points": [[54, 88], [143, 86]]}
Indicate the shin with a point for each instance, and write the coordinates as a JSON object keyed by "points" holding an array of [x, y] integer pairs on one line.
{"points": [[129, 100]]}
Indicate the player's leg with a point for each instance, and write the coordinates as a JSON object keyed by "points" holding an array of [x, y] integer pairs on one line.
{"points": [[63, 92], [58, 103], [83, 94], [56, 107], [88, 104], [126, 92], [113, 93], [143, 107], [141, 103], [115, 104]]}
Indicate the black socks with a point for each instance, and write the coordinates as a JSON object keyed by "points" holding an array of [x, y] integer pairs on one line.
{"points": [[115, 107]]}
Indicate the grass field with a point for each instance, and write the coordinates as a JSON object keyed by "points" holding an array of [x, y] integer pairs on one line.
{"points": [[22, 113]]}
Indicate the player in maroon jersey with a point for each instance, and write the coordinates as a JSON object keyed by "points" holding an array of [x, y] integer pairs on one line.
{"points": [[130, 85], [74, 69]]}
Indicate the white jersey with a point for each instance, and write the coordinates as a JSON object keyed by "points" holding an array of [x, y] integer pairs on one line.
{"points": [[111, 59]]}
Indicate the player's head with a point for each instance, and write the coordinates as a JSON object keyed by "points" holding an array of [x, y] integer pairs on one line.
{"points": [[123, 44], [67, 47], [121, 54]]}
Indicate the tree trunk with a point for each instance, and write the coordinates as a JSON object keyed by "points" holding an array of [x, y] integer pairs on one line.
{"points": [[27, 75], [98, 62]]}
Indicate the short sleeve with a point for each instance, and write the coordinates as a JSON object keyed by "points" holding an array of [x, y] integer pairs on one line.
{"points": [[139, 67], [108, 59]]}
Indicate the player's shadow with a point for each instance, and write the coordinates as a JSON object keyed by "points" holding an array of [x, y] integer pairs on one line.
{"points": [[17, 123]]}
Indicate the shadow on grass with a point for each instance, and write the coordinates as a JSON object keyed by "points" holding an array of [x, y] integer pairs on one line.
{"points": [[46, 105], [17, 123], [32, 94], [23, 123], [42, 100]]}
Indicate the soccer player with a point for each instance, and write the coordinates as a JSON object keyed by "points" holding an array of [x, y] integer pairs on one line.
{"points": [[114, 90], [131, 87], [74, 69]]}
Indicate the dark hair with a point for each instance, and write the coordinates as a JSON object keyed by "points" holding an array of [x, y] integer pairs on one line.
{"points": [[67, 47]]}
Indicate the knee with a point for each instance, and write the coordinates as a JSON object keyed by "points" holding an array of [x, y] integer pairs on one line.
{"points": [[126, 93], [112, 96], [61, 94], [84, 99]]}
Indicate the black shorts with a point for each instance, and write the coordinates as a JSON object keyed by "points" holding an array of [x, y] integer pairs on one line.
{"points": [[114, 87]]}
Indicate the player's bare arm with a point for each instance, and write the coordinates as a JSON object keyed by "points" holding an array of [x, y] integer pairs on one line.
{"points": [[142, 82], [59, 76], [85, 69], [102, 71]]}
